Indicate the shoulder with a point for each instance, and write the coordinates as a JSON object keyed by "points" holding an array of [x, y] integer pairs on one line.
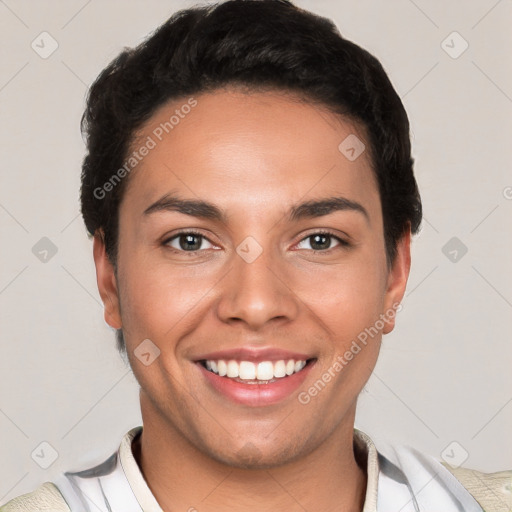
{"points": [[45, 498], [434, 480], [493, 491], [101, 488]]}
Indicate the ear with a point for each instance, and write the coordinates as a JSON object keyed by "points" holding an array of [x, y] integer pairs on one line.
{"points": [[106, 280], [397, 280]]}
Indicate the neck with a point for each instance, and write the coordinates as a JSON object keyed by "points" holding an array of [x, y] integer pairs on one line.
{"points": [[182, 477]]}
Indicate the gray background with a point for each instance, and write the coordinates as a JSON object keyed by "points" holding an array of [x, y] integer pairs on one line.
{"points": [[443, 375]]}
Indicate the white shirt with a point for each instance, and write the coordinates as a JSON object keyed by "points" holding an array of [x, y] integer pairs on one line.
{"points": [[403, 481]]}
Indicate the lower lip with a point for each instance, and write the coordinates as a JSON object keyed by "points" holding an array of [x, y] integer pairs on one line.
{"points": [[256, 395]]}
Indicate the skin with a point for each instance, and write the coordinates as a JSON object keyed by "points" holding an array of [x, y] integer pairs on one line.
{"points": [[253, 155]]}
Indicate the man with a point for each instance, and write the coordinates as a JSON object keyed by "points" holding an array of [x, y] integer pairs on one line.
{"points": [[250, 189]]}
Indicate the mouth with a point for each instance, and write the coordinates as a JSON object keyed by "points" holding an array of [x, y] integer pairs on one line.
{"points": [[255, 383]]}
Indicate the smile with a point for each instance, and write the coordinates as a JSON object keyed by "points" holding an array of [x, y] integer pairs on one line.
{"points": [[255, 384]]}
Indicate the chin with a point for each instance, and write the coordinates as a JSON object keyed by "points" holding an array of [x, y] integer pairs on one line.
{"points": [[252, 456]]}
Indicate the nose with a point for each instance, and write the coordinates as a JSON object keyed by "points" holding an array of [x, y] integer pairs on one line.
{"points": [[257, 293]]}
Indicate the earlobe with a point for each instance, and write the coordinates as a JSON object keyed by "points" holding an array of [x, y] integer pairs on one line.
{"points": [[106, 279], [397, 281]]}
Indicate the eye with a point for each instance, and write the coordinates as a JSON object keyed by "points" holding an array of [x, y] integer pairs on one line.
{"points": [[192, 241], [321, 241], [187, 241]]}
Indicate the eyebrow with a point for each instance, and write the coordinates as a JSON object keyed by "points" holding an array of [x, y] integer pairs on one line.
{"points": [[206, 210]]}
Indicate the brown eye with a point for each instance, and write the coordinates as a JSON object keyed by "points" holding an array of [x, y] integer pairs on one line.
{"points": [[322, 241], [187, 241]]}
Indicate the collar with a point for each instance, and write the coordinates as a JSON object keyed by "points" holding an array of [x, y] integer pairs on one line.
{"points": [[403, 479], [363, 446]]}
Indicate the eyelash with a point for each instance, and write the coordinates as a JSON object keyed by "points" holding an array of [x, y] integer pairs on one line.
{"points": [[343, 243]]}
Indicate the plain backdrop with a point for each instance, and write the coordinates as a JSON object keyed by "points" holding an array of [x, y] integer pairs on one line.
{"points": [[443, 382]]}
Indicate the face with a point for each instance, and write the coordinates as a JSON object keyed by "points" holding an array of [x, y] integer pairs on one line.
{"points": [[261, 273]]}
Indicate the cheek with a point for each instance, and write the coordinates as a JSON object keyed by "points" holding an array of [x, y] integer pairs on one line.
{"points": [[156, 297], [349, 302], [348, 292]]}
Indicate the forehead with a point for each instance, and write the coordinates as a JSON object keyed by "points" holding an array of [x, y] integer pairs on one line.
{"points": [[256, 149]]}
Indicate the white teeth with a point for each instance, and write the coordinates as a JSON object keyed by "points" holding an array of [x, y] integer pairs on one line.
{"points": [[222, 368], [279, 369], [265, 370], [232, 369], [299, 365], [247, 370]]}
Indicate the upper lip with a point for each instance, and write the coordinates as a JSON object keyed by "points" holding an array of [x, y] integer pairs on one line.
{"points": [[254, 354]]}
